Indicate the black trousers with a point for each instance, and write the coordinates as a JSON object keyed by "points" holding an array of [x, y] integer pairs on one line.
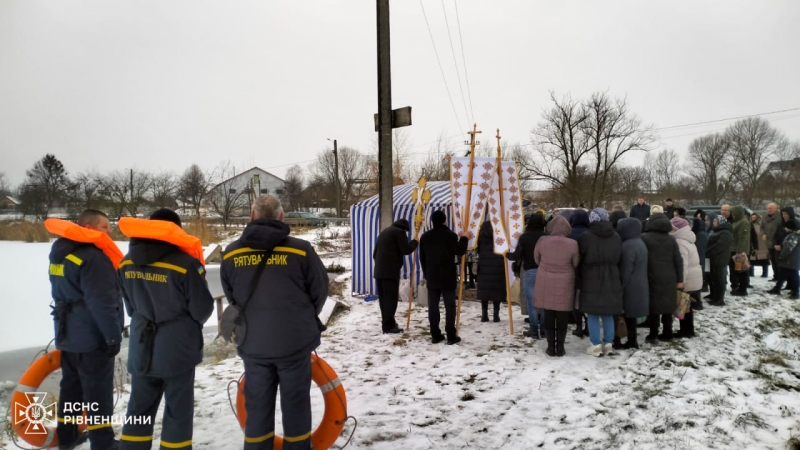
{"points": [[742, 280], [732, 272], [790, 277], [262, 381], [717, 284], [471, 277], [388, 296], [86, 378], [177, 424], [666, 321], [773, 260], [449, 296], [556, 320], [631, 325]]}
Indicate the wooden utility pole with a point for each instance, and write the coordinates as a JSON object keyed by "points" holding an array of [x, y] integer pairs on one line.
{"points": [[385, 178], [500, 190], [467, 220], [338, 182]]}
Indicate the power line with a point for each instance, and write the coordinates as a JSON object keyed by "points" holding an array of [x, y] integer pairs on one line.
{"points": [[440, 65], [464, 60], [455, 63], [725, 120]]}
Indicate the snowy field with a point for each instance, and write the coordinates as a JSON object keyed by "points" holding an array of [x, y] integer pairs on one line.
{"points": [[737, 385]]}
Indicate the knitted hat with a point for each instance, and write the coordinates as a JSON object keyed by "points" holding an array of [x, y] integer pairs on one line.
{"points": [[598, 215], [166, 215], [679, 222], [721, 220], [438, 217], [655, 209]]}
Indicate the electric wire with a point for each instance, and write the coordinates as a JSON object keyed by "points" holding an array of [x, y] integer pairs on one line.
{"points": [[455, 63], [464, 60]]}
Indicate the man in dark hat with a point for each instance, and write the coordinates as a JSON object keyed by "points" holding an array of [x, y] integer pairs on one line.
{"points": [[391, 246], [167, 297], [438, 249], [669, 208]]}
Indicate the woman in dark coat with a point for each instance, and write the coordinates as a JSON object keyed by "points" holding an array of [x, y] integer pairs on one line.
{"points": [[534, 229], [491, 273], [616, 216], [718, 251], [633, 272], [601, 288], [664, 274], [579, 221], [701, 242]]}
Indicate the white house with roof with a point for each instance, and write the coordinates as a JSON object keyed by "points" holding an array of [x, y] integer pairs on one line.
{"points": [[254, 181]]}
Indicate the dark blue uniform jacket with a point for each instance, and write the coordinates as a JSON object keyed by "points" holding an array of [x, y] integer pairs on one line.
{"points": [[167, 297], [88, 305], [282, 313]]}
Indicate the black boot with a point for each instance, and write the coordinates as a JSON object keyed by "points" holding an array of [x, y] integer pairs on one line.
{"points": [[561, 337], [484, 310], [497, 311], [551, 342], [617, 343], [776, 290], [630, 323]]}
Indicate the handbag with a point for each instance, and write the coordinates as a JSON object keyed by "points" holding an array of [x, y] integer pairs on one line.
{"points": [[232, 324], [683, 304], [620, 327], [741, 262]]}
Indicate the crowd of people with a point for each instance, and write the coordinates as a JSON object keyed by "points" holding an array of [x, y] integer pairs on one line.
{"points": [[608, 273]]}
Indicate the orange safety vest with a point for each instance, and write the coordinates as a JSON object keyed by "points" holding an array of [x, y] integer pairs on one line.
{"points": [[163, 230], [76, 233]]}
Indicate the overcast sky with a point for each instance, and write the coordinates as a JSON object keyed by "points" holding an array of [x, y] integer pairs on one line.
{"points": [[159, 85]]}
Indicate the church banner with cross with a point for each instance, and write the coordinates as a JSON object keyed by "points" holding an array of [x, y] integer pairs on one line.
{"points": [[469, 202], [505, 208]]}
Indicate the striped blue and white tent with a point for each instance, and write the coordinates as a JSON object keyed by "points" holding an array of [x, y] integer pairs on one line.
{"points": [[364, 220]]}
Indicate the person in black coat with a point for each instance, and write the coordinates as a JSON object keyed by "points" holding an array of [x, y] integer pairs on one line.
{"points": [[491, 273], [640, 210], [391, 246], [616, 216], [783, 274], [718, 251], [669, 209], [438, 249], [701, 242], [664, 274], [534, 229], [579, 221]]}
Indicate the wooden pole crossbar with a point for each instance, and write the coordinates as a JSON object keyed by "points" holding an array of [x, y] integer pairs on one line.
{"points": [[468, 222], [500, 189]]}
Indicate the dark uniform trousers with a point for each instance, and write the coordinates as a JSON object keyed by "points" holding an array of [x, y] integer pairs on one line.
{"points": [[388, 296], [146, 392], [87, 378], [449, 312], [260, 391], [717, 284]]}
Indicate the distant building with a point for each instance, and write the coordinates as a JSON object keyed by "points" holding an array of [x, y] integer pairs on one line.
{"points": [[9, 203], [254, 182]]}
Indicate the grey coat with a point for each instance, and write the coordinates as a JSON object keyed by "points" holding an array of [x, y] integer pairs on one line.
{"points": [[600, 255], [633, 268]]}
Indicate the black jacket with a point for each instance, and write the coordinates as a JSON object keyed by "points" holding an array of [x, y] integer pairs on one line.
{"points": [[701, 239], [165, 287], [719, 245], [491, 273], [615, 217], [527, 243], [438, 248], [641, 212], [780, 233], [601, 285], [391, 246], [282, 313], [88, 302], [579, 222], [669, 211], [664, 264]]}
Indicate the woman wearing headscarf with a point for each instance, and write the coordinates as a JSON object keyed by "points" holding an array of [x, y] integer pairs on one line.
{"points": [[718, 252], [633, 273], [557, 256], [601, 287], [741, 249], [491, 274], [760, 255], [692, 273], [534, 230], [616, 215], [701, 242]]}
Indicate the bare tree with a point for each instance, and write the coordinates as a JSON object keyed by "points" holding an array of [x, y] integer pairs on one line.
{"points": [[164, 189], [88, 185], [226, 198], [354, 174], [293, 184], [753, 143], [193, 186], [708, 162], [665, 171], [45, 185], [781, 180], [5, 189], [561, 147], [611, 131], [127, 190], [436, 165], [626, 182]]}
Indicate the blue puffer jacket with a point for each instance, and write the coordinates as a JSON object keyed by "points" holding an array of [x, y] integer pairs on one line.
{"points": [[88, 313]]}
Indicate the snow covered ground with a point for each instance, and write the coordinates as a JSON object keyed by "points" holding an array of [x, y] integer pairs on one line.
{"points": [[737, 385]]}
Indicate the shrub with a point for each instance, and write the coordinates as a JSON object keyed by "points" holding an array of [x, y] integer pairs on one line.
{"points": [[24, 231]]}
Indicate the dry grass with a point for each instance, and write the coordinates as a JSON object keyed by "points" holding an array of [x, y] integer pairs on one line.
{"points": [[208, 234], [24, 231]]}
